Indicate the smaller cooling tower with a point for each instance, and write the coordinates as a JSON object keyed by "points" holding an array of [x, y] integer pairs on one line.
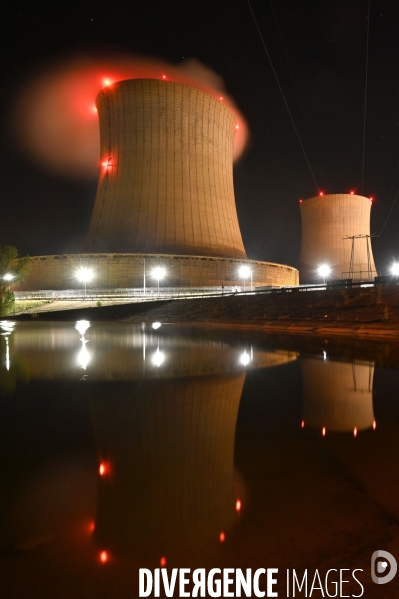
{"points": [[336, 232]]}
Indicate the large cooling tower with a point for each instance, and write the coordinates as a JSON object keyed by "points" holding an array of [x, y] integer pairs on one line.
{"points": [[166, 181], [336, 232]]}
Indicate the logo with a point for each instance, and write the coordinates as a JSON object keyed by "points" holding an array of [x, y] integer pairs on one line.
{"points": [[383, 559]]}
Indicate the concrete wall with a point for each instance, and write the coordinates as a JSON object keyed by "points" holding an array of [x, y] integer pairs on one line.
{"points": [[126, 271], [166, 174], [326, 221]]}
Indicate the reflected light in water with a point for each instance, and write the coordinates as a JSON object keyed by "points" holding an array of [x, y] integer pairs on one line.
{"points": [[83, 356], [158, 358], [103, 469], [355, 432], [8, 327], [323, 431], [82, 325], [222, 537], [238, 505], [244, 358], [156, 325]]}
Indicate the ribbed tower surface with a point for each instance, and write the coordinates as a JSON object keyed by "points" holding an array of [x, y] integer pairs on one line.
{"points": [[166, 178], [327, 222]]}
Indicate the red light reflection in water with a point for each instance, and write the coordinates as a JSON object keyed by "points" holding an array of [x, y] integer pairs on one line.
{"points": [[303, 422], [355, 432], [323, 431], [238, 505], [60, 131], [374, 424], [222, 537]]}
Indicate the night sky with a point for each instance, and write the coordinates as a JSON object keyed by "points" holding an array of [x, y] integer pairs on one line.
{"points": [[324, 83]]}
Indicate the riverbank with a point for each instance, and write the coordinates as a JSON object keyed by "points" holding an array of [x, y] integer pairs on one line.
{"points": [[371, 312]]}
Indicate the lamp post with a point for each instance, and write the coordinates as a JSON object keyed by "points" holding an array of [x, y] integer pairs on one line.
{"points": [[84, 275], [244, 272], [323, 271], [159, 274]]}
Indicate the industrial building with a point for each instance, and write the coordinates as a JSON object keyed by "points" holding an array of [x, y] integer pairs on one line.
{"points": [[165, 197], [336, 235]]}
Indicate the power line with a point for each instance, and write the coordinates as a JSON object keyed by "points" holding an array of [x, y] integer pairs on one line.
{"points": [[365, 91], [389, 214], [296, 89], [282, 94]]}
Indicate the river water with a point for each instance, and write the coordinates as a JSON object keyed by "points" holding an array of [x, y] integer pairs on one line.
{"points": [[140, 446]]}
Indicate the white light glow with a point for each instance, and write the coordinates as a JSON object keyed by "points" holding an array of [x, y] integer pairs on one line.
{"points": [[158, 273], [156, 325], [158, 358], [7, 326], [324, 270], [84, 274], [395, 269], [81, 326], [245, 358], [8, 277], [244, 271]]}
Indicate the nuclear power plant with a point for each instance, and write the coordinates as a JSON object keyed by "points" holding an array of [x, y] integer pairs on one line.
{"points": [[336, 234], [165, 198]]}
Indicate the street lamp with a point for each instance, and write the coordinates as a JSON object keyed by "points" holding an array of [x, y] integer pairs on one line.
{"points": [[84, 275], [158, 273], [323, 271], [395, 269], [8, 277], [244, 272]]}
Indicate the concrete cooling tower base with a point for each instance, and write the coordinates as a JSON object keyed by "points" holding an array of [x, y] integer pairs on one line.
{"points": [[126, 271]]}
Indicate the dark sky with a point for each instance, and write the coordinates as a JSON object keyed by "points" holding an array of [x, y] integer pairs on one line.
{"points": [[324, 85]]}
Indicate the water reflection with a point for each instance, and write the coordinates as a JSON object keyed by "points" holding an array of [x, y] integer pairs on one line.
{"points": [[337, 396]]}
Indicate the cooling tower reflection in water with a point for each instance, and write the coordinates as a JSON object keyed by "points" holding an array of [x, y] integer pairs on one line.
{"points": [[337, 396], [164, 408]]}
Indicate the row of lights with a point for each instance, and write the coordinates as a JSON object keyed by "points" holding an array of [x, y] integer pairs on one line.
{"points": [[355, 430], [321, 193], [324, 270]]}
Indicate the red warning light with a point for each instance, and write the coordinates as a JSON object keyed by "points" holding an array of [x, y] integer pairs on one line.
{"points": [[92, 526], [163, 76], [371, 199], [303, 424], [104, 557], [321, 193], [300, 201], [352, 193], [95, 109], [355, 432], [374, 425], [102, 469], [222, 537], [238, 505], [221, 98], [162, 562], [237, 126], [323, 431], [106, 83]]}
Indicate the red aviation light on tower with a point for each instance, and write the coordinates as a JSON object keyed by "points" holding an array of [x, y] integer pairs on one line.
{"points": [[162, 562], [221, 98], [355, 432], [352, 193], [106, 82], [163, 76], [104, 557], [222, 537], [103, 469], [300, 201], [321, 193], [371, 199], [303, 424], [323, 431], [374, 425], [238, 505]]}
